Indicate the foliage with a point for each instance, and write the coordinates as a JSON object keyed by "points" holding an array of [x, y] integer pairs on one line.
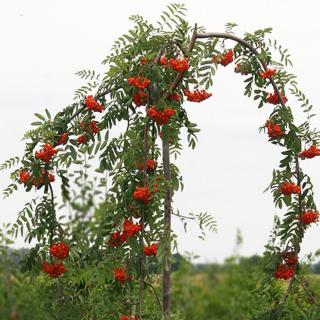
{"points": [[117, 189], [213, 291]]}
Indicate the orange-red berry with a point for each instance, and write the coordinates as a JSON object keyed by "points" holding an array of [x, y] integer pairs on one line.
{"points": [[151, 250]]}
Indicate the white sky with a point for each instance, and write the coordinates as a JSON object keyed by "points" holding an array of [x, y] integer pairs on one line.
{"points": [[43, 44]]}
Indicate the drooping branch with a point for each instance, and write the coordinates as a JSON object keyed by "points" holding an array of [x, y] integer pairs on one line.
{"points": [[180, 75], [246, 45], [55, 218], [157, 298], [83, 108], [242, 42], [166, 154], [307, 290], [284, 299]]}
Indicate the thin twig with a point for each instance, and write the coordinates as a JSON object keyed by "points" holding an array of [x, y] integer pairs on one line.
{"points": [[97, 96], [182, 216], [52, 210], [158, 300], [185, 53], [308, 292], [180, 75]]}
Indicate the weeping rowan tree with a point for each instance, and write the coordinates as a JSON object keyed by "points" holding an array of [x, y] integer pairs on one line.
{"points": [[114, 208]]}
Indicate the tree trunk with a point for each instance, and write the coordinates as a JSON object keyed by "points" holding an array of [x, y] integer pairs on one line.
{"points": [[167, 230]]}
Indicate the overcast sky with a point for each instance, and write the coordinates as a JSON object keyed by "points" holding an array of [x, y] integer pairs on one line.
{"points": [[43, 44]]}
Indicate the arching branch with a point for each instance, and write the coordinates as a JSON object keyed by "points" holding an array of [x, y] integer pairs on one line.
{"points": [[246, 45]]}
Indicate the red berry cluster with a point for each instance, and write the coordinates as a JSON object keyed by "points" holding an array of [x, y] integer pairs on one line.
{"points": [[287, 268], [290, 258], [268, 74], [288, 188], [150, 165], [196, 95], [82, 139], [63, 139], [309, 217], [310, 153], [129, 318], [54, 270], [274, 130], [117, 238], [44, 177], [59, 250], [273, 98], [179, 65], [224, 59], [284, 272], [24, 176], [142, 194], [93, 105], [93, 127], [151, 250], [139, 82], [139, 98], [46, 153], [174, 97], [47, 175], [130, 229], [161, 117], [120, 274], [163, 61], [89, 127]]}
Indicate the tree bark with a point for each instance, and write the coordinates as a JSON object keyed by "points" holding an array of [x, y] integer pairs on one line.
{"points": [[166, 273], [166, 281]]}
